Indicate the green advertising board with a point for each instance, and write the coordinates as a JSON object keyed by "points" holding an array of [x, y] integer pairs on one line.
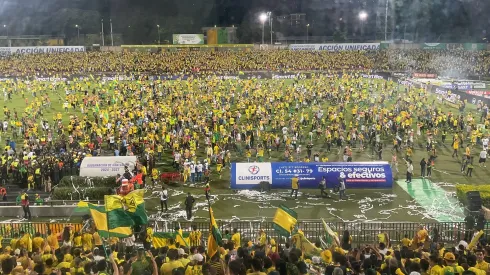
{"points": [[433, 46], [384, 46], [188, 39], [222, 36], [475, 46]]}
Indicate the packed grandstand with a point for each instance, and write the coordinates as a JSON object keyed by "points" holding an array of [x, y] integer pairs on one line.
{"points": [[456, 62]]}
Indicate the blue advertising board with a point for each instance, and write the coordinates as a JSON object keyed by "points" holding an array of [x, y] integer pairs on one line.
{"points": [[279, 174]]}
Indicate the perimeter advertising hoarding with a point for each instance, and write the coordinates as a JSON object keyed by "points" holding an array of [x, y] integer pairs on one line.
{"points": [[462, 85], [38, 50], [433, 46], [242, 75], [188, 39], [336, 47], [424, 75], [279, 174], [485, 94]]}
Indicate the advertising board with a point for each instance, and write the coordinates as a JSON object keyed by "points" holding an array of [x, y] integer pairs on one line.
{"points": [[279, 174], [188, 39], [40, 50], [336, 47], [424, 75], [106, 166]]}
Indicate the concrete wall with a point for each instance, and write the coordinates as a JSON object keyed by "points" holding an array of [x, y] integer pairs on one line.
{"points": [[40, 211]]}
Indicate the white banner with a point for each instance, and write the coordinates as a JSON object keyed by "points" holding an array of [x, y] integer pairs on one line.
{"points": [[479, 85], [335, 47], [253, 173], [462, 85], [44, 49], [188, 39], [106, 166]]}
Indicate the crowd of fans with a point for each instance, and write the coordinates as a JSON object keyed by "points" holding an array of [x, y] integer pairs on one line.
{"points": [[86, 253], [449, 62], [201, 124]]}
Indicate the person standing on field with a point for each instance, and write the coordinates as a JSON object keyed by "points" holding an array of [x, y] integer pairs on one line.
{"points": [[409, 171], [164, 198], [295, 186], [483, 158]]}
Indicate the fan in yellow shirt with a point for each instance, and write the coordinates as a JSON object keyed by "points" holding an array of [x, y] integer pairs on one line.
{"points": [[37, 242], [173, 262], [5, 254], [14, 241], [87, 239], [451, 265], [406, 241], [480, 262], [26, 241], [326, 256], [236, 238], [435, 267], [262, 237], [66, 263], [77, 240], [52, 240]]}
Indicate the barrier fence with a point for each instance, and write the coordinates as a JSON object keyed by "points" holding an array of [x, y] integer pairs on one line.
{"points": [[361, 232]]}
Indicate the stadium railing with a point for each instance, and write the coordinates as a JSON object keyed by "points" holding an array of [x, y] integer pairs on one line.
{"points": [[361, 232]]}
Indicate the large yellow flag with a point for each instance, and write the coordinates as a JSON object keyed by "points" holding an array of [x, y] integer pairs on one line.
{"points": [[99, 215], [214, 239], [284, 220], [135, 203]]}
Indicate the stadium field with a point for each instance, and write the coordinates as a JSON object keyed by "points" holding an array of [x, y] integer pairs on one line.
{"points": [[396, 204]]}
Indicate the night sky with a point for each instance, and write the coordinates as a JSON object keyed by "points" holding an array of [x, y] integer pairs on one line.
{"points": [[420, 20]]}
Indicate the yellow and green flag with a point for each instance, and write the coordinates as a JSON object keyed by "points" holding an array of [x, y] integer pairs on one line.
{"points": [[82, 206], [284, 220], [301, 242], [330, 236], [116, 215], [180, 239], [214, 239], [135, 204], [161, 239], [101, 221]]}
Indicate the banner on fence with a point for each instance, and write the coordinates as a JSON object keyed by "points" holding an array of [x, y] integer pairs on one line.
{"points": [[188, 39], [336, 47], [279, 174], [433, 46], [44, 49]]}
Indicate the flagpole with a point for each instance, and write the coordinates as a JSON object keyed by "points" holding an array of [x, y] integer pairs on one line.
{"points": [[210, 224], [108, 227], [102, 21], [112, 38]]}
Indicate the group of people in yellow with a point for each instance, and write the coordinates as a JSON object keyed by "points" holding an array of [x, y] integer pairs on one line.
{"points": [[461, 62], [203, 124], [87, 253]]}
